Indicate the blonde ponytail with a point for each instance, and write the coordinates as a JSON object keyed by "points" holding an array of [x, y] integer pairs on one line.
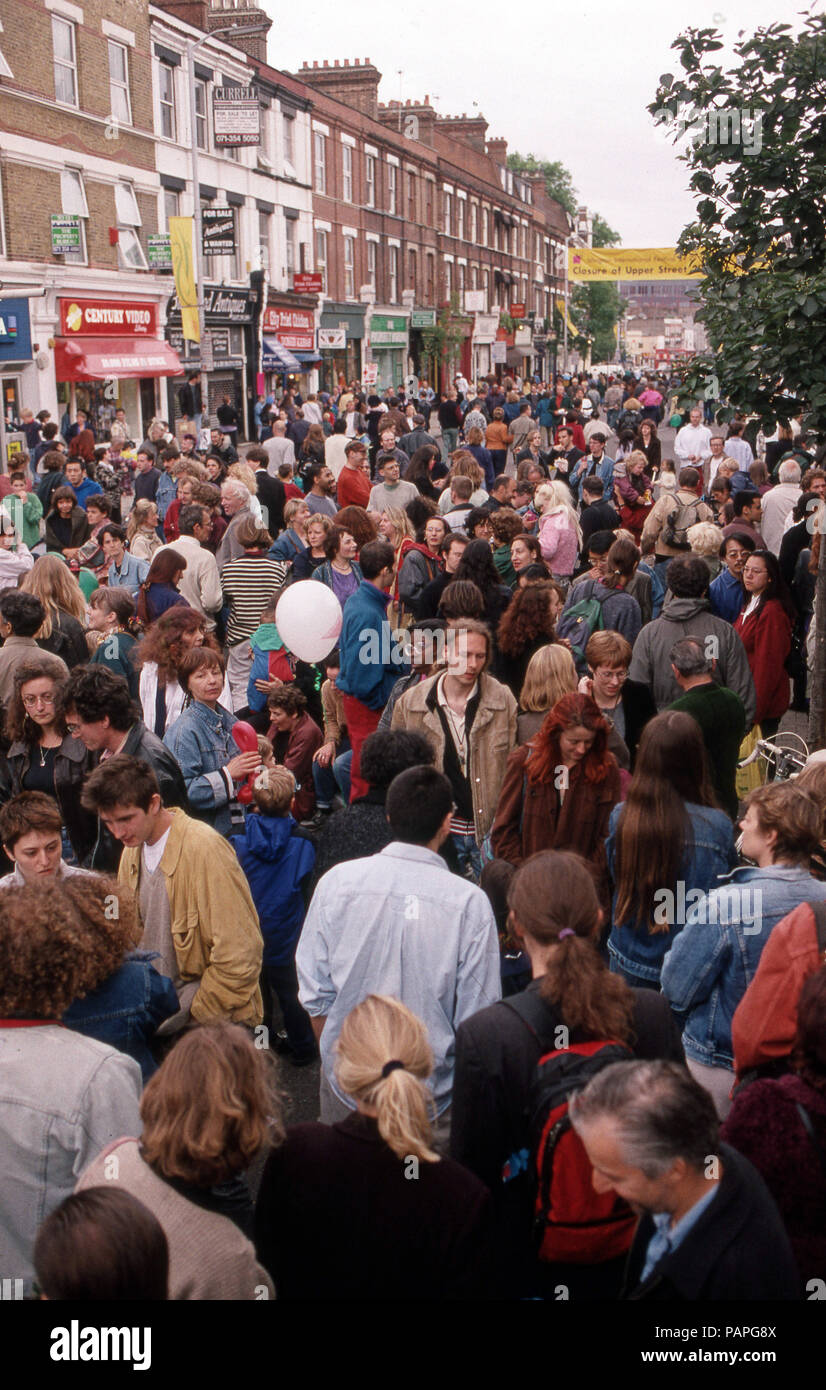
{"points": [[383, 1059]]}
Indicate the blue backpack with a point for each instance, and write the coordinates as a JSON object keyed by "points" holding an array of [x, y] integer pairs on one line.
{"points": [[577, 624]]}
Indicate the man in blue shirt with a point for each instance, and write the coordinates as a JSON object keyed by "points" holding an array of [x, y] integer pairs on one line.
{"points": [[125, 571], [82, 486], [726, 592], [167, 489], [400, 923], [708, 1230], [371, 661]]}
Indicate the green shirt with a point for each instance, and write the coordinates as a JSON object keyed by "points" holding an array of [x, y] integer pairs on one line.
{"points": [[722, 720]]}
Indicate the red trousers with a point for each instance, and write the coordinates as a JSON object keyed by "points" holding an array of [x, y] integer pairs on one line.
{"points": [[361, 721]]}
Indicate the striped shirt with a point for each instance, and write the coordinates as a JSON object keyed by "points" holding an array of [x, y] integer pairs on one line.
{"points": [[248, 584]]}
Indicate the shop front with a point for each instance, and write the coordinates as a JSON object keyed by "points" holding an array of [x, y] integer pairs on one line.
{"points": [[288, 349], [389, 339], [15, 360], [108, 356], [340, 340], [229, 317]]}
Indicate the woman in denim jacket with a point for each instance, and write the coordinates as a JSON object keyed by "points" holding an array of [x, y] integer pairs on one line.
{"points": [[715, 957], [201, 741], [667, 840]]}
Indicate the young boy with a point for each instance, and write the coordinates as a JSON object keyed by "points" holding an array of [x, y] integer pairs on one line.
{"points": [[278, 860], [25, 510]]}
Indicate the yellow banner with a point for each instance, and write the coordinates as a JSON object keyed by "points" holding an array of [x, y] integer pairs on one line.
{"points": [[617, 263], [183, 268]]}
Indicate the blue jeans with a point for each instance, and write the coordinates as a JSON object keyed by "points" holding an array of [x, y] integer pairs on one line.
{"points": [[635, 981], [467, 852], [450, 438], [333, 780]]}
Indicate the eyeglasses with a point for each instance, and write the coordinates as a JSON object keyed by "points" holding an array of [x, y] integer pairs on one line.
{"points": [[31, 700], [72, 728]]}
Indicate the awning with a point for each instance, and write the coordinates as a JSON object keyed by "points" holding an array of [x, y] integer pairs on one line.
{"points": [[276, 358], [307, 357], [99, 359]]}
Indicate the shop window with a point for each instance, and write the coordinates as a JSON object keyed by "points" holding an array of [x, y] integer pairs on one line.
{"points": [[119, 102], [65, 61]]}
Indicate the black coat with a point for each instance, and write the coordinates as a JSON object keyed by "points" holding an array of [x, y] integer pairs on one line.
{"points": [[272, 497], [66, 640], [141, 743], [496, 1055], [72, 763], [339, 1216], [737, 1250]]}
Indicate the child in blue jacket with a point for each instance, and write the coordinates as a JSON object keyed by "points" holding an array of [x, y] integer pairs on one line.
{"points": [[278, 860]]}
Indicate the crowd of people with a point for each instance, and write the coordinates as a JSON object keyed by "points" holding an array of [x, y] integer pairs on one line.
{"points": [[492, 863]]}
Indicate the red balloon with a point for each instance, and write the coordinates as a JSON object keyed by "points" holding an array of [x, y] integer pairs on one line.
{"points": [[247, 740]]}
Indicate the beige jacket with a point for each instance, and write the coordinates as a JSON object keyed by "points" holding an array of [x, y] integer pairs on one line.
{"points": [[209, 1256], [492, 737], [214, 924], [658, 516]]}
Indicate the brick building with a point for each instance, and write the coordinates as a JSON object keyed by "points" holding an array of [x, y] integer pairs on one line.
{"points": [[77, 163]]}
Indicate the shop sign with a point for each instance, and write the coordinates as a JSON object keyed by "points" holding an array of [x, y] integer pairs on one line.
{"points": [[107, 318], [294, 328], [485, 327], [369, 374], [331, 339], [474, 301], [499, 352], [422, 318], [236, 117], [217, 232], [308, 282], [517, 311], [65, 232], [387, 331], [159, 248]]}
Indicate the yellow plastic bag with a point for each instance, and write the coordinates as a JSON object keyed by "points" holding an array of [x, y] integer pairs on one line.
{"points": [[754, 775]]}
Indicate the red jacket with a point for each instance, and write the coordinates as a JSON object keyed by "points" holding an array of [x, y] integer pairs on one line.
{"points": [[765, 1021], [305, 740], [353, 488], [767, 638]]}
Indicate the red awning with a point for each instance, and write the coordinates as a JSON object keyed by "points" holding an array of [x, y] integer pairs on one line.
{"points": [[98, 359]]}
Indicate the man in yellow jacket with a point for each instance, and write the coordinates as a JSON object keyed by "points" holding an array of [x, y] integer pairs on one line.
{"points": [[194, 902]]}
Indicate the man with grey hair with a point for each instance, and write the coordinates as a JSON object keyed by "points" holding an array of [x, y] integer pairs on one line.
{"points": [[779, 503], [235, 500], [709, 1230], [415, 438], [719, 712], [278, 448]]}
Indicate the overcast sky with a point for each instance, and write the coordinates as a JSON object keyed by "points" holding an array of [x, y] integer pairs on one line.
{"points": [[561, 82]]}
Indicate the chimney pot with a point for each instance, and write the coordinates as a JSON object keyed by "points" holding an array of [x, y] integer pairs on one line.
{"points": [[336, 62], [347, 62]]}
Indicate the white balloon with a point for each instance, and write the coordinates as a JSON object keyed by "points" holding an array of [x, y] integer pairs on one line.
{"points": [[308, 618]]}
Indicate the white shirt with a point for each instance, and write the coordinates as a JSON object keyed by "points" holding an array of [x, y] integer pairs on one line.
{"points": [[311, 410], [334, 455], [278, 450], [153, 854], [175, 697], [200, 583], [777, 503], [739, 450], [693, 440]]}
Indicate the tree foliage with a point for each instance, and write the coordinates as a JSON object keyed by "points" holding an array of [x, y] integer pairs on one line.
{"points": [[558, 179], [760, 229]]}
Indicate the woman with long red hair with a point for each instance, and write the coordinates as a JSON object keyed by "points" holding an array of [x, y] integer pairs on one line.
{"points": [[559, 790]]}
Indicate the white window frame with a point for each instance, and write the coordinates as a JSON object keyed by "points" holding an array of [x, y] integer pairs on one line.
{"points": [[347, 172], [460, 218], [393, 274], [372, 264], [349, 262], [167, 106], [485, 226], [70, 65], [116, 86], [448, 264], [288, 130], [128, 219], [167, 195], [370, 180], [5, 70], [319, 162], [392, 191], [289, 247], [474, 222], [447, 210], [321, 262], [265, 238], [202, 117], [78, 206]]}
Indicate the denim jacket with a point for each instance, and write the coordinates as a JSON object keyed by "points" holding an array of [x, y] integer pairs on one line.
{"points": [[201, 741], [707, 855], [125, 1010], [715, 957]]}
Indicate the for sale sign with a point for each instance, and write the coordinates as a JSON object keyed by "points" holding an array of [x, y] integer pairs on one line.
{"points": [[218, 231]]}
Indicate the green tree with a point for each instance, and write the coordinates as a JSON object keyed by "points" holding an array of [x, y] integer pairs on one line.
{"points": [[443, 341], [558, 179], [596, 307], [757, 160]]}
